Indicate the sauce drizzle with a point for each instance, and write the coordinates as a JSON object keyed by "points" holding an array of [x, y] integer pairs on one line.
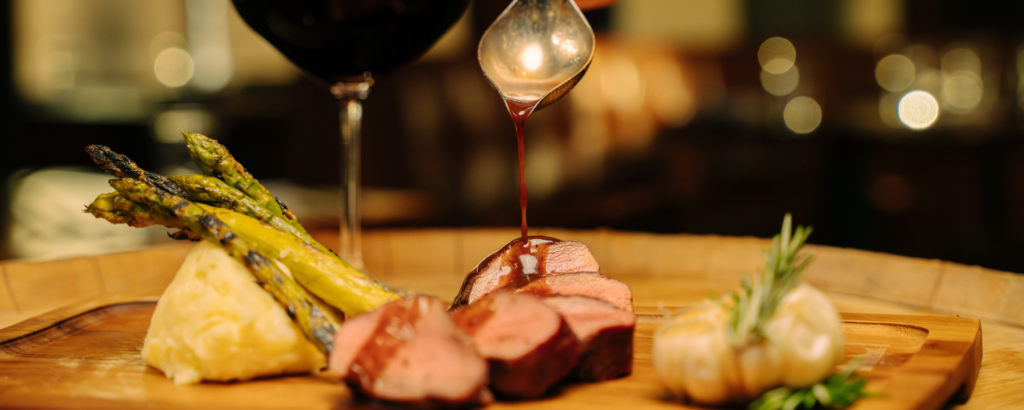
{"points": [[520, 110]]}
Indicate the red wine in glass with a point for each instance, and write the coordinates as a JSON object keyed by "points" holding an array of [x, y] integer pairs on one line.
{"points": [[347, 45], [340, 41]]}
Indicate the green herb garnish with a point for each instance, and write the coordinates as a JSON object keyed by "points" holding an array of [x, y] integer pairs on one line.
{"points": [[752, 307], [840, 390]]}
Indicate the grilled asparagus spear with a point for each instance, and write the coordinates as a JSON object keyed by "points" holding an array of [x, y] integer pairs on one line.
{"points": [[212, 191], [119, 210], [317, 319], [199, 188], [325, 275], [215, 160], [121, 166]]}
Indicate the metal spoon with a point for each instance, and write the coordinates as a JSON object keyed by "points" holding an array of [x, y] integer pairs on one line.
{"points": [[537, 50]]}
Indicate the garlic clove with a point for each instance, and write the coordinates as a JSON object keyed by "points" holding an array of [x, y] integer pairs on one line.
{"points": [[706, 374], [760, 368], [692, 356], [809, 334]]}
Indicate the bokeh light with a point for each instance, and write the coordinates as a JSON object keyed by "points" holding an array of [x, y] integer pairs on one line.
{"points": [[621, 83], [776, 55], [802, 115], [670, 96], [165, 40], [918, 110], [173, 67], [1020, 62], [166, 125], [780, 84], [962, 91], [961, 59], [888, 109], [962, 84], [1020, 93], [929, 79], [895, 72]]}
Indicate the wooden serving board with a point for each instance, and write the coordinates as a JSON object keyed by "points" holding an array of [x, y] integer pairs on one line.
{"points": [[88, 356]]}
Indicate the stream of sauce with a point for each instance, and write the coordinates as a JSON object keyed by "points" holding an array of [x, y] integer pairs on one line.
{"points": [[520, 110]]}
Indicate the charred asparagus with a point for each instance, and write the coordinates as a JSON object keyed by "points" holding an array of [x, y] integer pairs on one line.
{"points": [[198, 188], [121, 166], [317, 319], [212, 191], [323, 274], [215, 160]]}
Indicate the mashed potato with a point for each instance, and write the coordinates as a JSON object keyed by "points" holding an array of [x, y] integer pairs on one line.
{"points": [[215, 323]]}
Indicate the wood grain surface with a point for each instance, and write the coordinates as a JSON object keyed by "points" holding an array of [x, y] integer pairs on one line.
{"points": [[666, 270], [88, 356]]}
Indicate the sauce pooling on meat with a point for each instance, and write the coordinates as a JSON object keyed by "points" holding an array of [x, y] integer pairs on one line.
{"points": [[521, 262]]}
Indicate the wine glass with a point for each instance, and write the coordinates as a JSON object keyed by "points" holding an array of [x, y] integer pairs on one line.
{"points": [[346, 46]]}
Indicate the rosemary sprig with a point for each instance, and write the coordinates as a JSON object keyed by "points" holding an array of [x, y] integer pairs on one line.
{"points": [[752, 307], [838, 391]]}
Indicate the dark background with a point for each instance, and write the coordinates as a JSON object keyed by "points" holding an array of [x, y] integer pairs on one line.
{"points": [[952, 192]]}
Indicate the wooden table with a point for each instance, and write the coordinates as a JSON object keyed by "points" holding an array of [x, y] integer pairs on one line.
{"points": [[666, 270]]}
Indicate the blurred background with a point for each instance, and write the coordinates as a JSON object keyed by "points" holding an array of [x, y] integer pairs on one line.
{"points": [[889, 125]]}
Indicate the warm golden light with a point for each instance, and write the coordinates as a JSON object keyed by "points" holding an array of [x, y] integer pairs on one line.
{"points": [[918, 110], [670, 96], [895, 72], [780, 84], [1020, 94], [888, 109], [962, 91], [1020, 63], [532, 57], [621, 83], [567, 45], [961, 59], [776, 55], [166, 125], [802, 115], [173, 67], [165, 40], [210, 44]]}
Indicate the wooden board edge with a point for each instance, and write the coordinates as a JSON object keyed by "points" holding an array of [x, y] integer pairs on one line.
{"points": [[47, 320], [973, 369], [962, 338]]}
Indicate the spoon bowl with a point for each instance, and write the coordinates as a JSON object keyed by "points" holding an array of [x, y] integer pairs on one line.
{"points": [[537, 50]]}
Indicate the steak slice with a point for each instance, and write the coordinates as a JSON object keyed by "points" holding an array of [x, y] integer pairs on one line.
{"points": [[606, 335], [528, 346], [589, 284], [515, 265], [410, 351]]}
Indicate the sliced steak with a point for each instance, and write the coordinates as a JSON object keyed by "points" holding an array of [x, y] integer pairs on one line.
{"points": [[606, 335], [589, 284], [515, 265], [528, 346], [410, 351]]}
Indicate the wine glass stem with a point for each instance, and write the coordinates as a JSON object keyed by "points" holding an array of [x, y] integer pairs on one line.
{"points": [[351, 115]]}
